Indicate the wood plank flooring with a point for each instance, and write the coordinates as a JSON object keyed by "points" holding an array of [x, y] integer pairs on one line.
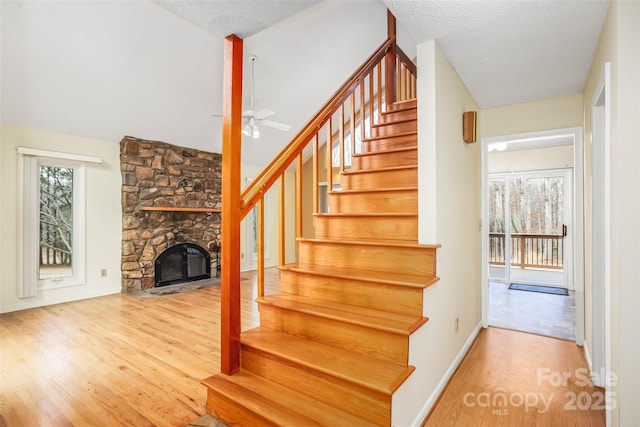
{"points": [[120, 361], [511, 378], [115, 360]]}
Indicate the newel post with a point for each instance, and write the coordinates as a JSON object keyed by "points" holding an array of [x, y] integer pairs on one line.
{"points": [[230, 222], [390, 62]]}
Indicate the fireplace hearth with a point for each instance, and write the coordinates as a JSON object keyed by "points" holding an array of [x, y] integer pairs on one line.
{"points": [[184, 262]]}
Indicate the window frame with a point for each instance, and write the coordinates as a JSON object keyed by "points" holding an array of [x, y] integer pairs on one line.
{"points": [[29, 283]]}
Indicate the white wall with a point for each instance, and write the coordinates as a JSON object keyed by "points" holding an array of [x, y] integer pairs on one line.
{"points": [[103, 226], [449, 195], [108, 69], [303, 60], [538, 158], [618, 44]]}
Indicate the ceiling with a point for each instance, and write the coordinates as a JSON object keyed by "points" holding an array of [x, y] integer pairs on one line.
{"points": [[506, 52]]}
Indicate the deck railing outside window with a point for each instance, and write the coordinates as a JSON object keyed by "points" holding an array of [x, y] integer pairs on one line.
{"points": [[528, 250]]}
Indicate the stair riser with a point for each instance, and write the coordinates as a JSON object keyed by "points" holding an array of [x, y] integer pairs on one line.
{"points": [[363, 227], [380, 296], [409, 260], [390, 129], [395, 201], [395, 178], [376, 343], [401, 106], [403, 141], [367, 404], [401, 115], [233, 413], [384, 160]]}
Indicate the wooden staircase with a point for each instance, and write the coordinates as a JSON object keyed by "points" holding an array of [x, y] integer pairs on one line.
{"points": [[332, 347]]}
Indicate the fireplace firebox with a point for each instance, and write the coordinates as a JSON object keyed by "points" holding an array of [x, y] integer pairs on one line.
{"points": [[184, 262]]}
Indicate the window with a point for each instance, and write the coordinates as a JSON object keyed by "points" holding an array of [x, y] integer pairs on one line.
{"points": [[51, 221]]}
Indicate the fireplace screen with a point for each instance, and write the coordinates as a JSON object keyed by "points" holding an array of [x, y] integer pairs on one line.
{"points": [[184, 262]]}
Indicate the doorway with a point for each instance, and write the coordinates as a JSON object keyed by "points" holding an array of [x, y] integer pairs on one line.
{"points": [[532, 278]]}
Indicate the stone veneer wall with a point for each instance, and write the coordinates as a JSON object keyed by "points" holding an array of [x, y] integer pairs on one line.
{"points": [[159, 174]]}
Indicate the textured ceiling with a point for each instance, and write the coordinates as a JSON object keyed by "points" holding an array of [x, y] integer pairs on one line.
{"points": [[509, 52], [505, 51], [243, 18]]}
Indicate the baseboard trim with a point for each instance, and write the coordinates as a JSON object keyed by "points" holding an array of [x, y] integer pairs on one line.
{"points": [[426, 408], [587, 356]]}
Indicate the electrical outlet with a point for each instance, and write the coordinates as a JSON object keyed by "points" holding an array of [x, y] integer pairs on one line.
{"points": [[103, 272], [457, 323]]}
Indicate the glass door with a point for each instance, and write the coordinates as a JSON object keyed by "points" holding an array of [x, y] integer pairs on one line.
{"points": [[530, 220]]}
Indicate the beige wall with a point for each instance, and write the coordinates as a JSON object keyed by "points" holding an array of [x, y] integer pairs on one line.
{"points": [[546, 114], [541, 158], [449, 193], [103, 216], [618, 44]]}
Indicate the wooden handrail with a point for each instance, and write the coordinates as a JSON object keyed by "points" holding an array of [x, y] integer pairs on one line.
{"points": [[270, 174]]}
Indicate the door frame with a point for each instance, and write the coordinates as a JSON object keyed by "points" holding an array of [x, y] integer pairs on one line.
{"points": [[578, 217]]}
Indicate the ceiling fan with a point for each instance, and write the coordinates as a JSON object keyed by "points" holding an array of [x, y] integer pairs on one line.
{"points": [[251, 118]]}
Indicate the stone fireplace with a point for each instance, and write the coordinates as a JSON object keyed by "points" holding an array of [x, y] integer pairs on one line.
{"points": [[161, 176]]}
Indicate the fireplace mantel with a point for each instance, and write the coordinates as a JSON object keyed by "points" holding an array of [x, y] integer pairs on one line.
{"points": [[174, 209]]}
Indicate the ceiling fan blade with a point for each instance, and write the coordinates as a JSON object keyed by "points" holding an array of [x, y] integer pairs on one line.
{"points": [[263, 114], [275, 125], [248, 113]]}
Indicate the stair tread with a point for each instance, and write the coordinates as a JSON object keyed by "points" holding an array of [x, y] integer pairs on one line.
{"points": [[402, 105], [386, 151], [373, 242], [373, 190], [389, 278], [397, 135], [367, 317], [281, 405], [375, 374], [379, 170], [393, 122], [365, 214]]}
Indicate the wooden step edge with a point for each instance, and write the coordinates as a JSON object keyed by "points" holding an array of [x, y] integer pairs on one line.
{"points": [[388, 151], [397, 135], [405, 104], [393, 122], [380, 170], [322, 308], [275, 403], [259, 407], [373, 190], [326, 366], [372, 242], [403, 280], [365, 215]]}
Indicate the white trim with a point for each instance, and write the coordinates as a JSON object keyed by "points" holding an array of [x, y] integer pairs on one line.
{"points": [[587, 356], [446, 377], [58, 155], [601, 128]]}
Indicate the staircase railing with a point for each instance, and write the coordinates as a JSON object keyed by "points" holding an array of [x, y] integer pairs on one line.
{"points": [[387, 76]]}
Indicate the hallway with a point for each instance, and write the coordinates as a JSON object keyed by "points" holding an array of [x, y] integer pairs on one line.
{"points": [[512, 378]]}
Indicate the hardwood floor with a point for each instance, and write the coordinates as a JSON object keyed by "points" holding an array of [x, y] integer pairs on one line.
{"points": [[115, 360], [120, 361], [512, 378]]}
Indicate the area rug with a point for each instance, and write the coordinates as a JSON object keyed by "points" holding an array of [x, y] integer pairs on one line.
{"points": [[175, 289], [540, 289]]}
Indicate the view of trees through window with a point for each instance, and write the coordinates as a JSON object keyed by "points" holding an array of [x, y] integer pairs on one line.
{"points": [[536, 205], [56, 222]]}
